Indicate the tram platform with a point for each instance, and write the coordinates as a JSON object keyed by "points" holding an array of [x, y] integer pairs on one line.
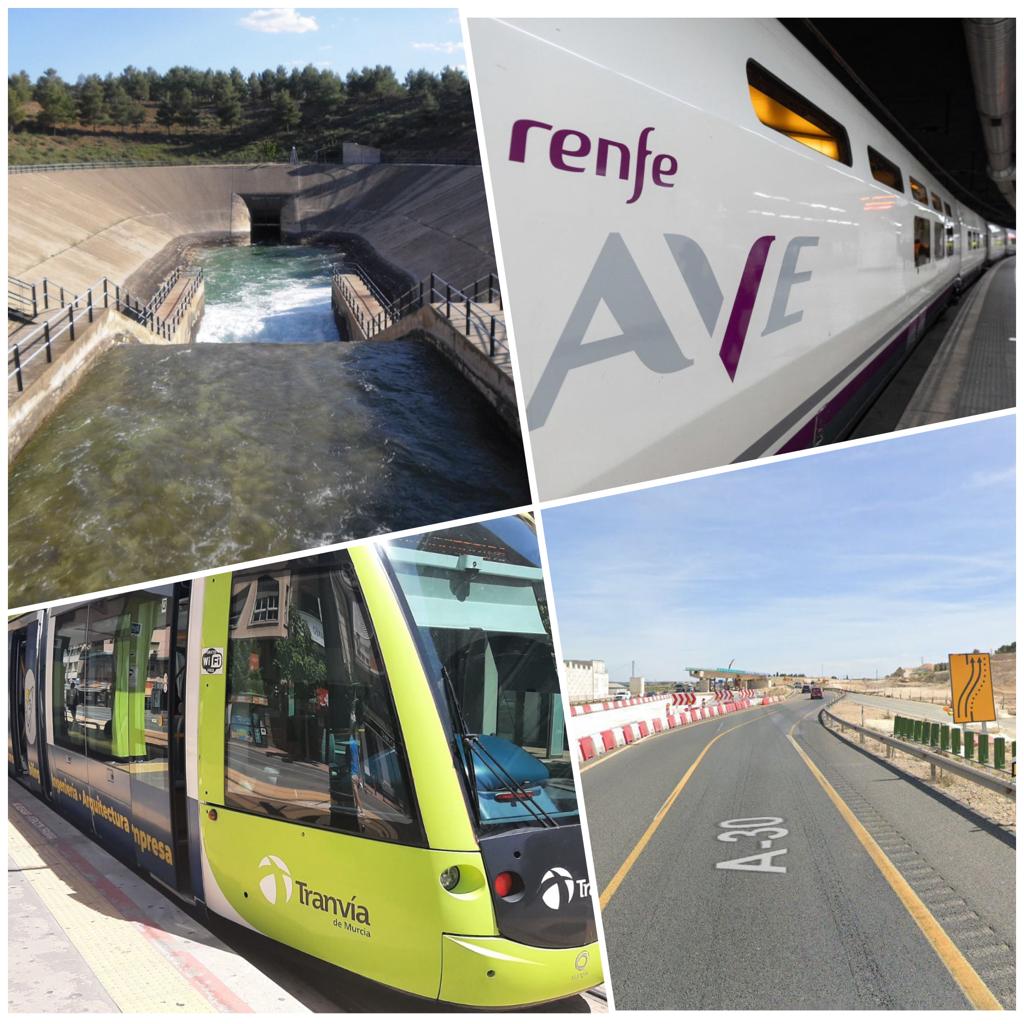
{"points": [[85, 933]]}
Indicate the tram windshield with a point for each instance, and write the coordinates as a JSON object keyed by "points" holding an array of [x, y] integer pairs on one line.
{"points": [[476, 597]]}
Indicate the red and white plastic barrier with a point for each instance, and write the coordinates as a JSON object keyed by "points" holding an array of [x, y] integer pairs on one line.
{"points": [[619, 724]]}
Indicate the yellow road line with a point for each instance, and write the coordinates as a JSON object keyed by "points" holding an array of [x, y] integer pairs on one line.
{"points": [[617, 879], [976, 991], [131, 970]]}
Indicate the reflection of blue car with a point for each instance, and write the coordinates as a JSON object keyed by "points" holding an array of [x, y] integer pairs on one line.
{"points": [[497, 803]]}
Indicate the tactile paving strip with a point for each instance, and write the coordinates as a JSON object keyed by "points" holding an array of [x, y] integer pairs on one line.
{"points": [[132, 969]]}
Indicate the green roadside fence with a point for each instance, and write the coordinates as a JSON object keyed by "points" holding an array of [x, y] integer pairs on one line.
{"points": [[980, 747]]}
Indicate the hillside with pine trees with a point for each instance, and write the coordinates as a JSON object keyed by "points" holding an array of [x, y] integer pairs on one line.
{"points": [[193, 116]]}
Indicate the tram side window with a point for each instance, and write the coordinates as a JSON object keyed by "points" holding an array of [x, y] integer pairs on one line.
{"points": [[311, 732], [784, 110], [950, 232], [67, 695], [936, 202], [126, 662], [884, 170], [918, 191], [940, 240], [922, 241]]}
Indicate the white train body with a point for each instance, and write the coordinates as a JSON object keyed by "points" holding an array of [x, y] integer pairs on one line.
{"points": [[688, 286]]}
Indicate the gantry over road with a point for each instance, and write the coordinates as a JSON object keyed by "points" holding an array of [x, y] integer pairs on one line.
{"points": [[761, 862]]}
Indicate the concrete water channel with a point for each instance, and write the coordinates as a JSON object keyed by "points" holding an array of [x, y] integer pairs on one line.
{"points": [[268, 434]]}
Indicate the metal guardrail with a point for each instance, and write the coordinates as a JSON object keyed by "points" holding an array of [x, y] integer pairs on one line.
{"points": [[936, 760], [87, 305], [485, 289]]}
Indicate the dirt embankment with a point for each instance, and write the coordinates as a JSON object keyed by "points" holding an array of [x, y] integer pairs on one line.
{"points": [[999, 809]]}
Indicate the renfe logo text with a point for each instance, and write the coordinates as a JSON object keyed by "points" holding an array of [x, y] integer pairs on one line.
{"points": [[568, 144]]}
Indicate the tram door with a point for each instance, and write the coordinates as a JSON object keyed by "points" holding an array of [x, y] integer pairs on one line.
{"points": [[24, 736]]}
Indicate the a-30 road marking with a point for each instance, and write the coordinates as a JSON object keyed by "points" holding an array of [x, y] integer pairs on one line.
{"points": [[751, 828]]}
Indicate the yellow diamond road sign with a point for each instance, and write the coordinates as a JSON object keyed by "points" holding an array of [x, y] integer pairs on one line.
{"points": [[970, 676]]}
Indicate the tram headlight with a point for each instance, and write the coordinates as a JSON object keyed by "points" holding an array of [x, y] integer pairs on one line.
{"points": [[450, 878]]}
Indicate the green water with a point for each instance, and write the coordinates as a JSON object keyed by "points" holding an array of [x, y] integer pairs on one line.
{"points": [[167, 461]]}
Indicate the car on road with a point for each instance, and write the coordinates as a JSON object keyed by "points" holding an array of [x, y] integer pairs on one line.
{"points": [[816, 693], [807, 688]]}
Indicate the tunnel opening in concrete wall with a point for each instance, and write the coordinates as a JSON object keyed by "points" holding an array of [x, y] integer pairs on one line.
{"points": [[258, 216]]}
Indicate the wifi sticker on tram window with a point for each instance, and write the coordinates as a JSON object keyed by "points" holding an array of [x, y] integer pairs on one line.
{"points": [[765, 831]]}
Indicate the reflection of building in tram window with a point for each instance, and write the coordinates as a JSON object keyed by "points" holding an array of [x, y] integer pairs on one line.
{"points": [[109, 657], [922, 241], [311, 731]]}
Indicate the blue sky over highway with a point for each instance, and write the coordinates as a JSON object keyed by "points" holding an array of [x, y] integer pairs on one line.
{"points": [[94, 41], [858, 560]]}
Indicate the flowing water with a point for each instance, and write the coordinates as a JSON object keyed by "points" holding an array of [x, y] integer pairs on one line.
{"points": [[169, 460], [267, 293]]}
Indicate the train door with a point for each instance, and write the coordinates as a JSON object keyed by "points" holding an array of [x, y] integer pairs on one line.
{"points": [[26, 669]]}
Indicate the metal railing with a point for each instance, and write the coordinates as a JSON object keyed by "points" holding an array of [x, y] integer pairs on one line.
{"points": [[439, 157], [460, 309], [1006, 787], [100, 165], [486, 289], [86, 305], [26, 298]]}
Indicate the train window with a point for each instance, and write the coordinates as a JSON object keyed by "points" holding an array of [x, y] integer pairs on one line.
{"points": [[311, 732], [918, 191], [936, 202], [950, 232], [67, 694], [940, 241], [786, 111], [885, 170], [922, 240]]}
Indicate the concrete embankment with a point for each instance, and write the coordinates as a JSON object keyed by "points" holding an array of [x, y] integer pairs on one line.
{"points": [[129, 223]]}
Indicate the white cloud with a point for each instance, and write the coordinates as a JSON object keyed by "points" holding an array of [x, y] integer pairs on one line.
{"points": [[279, 19], [449, 48]]}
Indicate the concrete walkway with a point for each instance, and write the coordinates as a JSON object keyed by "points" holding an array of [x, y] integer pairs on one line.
{"points": [[88, 934]]}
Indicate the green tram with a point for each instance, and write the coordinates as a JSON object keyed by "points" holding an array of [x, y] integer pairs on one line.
{"points": [[360, 754]]}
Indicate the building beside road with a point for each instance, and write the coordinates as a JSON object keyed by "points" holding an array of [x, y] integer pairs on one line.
{"points": [[586, 680]]}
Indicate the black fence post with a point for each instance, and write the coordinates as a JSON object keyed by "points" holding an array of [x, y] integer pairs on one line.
{"points": [[448, 301], [467, 318], [62, 295], [35, 304], [46, 339], [492, 337], [117, 297], [106, 295], [71, 320], [46, 293], [90, 305], [17, 369]]}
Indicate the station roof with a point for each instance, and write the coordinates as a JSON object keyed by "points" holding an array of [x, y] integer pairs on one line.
{"points": [[724, 672]]}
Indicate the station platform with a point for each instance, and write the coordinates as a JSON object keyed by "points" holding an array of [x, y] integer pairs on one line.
{"points": [[86, 934], [974, 370], [965, 365]]}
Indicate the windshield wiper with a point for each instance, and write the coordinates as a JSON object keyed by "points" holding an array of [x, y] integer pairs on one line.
{"points": [[477, 748]]}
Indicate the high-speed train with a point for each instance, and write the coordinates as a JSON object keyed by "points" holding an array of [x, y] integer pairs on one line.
{"points": [[360, 754], [713, 251]]}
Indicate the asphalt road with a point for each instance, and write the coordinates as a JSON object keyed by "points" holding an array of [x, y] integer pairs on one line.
{"points": [[923, 710], [828, 932]]}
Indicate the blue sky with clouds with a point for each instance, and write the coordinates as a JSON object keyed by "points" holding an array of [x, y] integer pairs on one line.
{"points": [[861, 559], [92, 40]]}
